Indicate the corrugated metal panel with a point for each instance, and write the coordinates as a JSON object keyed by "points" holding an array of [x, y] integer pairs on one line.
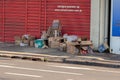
{"points": [[21, 17], [18, 17], [33, 17], [1, 20], [14, 20], [73, 14]]}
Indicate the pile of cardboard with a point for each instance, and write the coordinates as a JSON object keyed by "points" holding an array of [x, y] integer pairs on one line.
{"points": [[79, 47], [73, 47], [63, 47], [54, 42], [52, 38], [70, 44], [25, 40], [54, 34], [86, 47]]}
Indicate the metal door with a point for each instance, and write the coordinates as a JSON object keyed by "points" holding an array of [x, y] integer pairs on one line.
{"points": [[115, 27], [18, 17], [33, 10], [73, 14], [14, 19]]}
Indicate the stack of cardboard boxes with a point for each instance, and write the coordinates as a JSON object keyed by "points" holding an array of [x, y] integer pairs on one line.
{"points": [[78, 47], [73, 47], [17, 40], [25, 40], [63, 47], [54, 42], [54, 34]]}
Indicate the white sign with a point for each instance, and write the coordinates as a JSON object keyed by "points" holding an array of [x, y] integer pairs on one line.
{"points": [[61, 8]]}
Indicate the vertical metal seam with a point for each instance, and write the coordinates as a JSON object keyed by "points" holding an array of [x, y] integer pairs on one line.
{"points": [[39, 18], [90, 21], [99, 20], [45, 5], [3, 33], [105, 24], [26, 17]]}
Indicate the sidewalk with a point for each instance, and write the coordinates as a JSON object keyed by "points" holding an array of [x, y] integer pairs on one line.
{"points": [[54, 55]]}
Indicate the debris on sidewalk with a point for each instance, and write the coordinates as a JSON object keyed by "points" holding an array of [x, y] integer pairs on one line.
{"points": [[25, 40], [39, 43], [102, 48], [54, 42], [73, 47], [63, 47], [18, 40], [44, 35], [55, 29], [52, 38]]}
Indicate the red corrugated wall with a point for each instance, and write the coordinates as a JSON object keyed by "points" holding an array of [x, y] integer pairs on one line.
{"points": [[33, 17], [1, 20], [73, 14], [14, 18], [18, 17]]}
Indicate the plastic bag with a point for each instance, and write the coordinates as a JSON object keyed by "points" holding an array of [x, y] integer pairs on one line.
{"points": [[39, 43], [72, 38]]}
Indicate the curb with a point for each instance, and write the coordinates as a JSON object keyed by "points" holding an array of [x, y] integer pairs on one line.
{"points": [[32, 56], [93, 63], [60, 59]]}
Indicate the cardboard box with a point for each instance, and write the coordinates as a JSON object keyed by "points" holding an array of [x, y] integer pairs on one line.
{"points": [[55, 39], [17, 40], [31, 43], [31, 38], [72, 43], [26, 42], [54, 44], [86, 43], [73, 47], [79, 40], [63, 47]]}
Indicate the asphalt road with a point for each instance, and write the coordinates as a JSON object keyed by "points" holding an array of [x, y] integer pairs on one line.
{"points": [[14, 69]]}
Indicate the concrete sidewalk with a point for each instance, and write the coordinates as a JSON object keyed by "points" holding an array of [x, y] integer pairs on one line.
{"points": [[54, 55]]}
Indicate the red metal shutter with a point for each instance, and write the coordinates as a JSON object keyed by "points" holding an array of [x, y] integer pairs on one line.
{"points": [[43, 24], [18, 17], [14, 19], [1, 20], [73, 14], [33, 17]]}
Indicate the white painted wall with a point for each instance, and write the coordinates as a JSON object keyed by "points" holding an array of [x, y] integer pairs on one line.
{"points": [[99, 21]]}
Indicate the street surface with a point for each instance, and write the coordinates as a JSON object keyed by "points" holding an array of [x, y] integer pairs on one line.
{"points": [[14, 69]]}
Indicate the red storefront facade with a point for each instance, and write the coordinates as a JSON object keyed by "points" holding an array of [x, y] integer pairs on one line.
{"points": [[18, 17]]}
